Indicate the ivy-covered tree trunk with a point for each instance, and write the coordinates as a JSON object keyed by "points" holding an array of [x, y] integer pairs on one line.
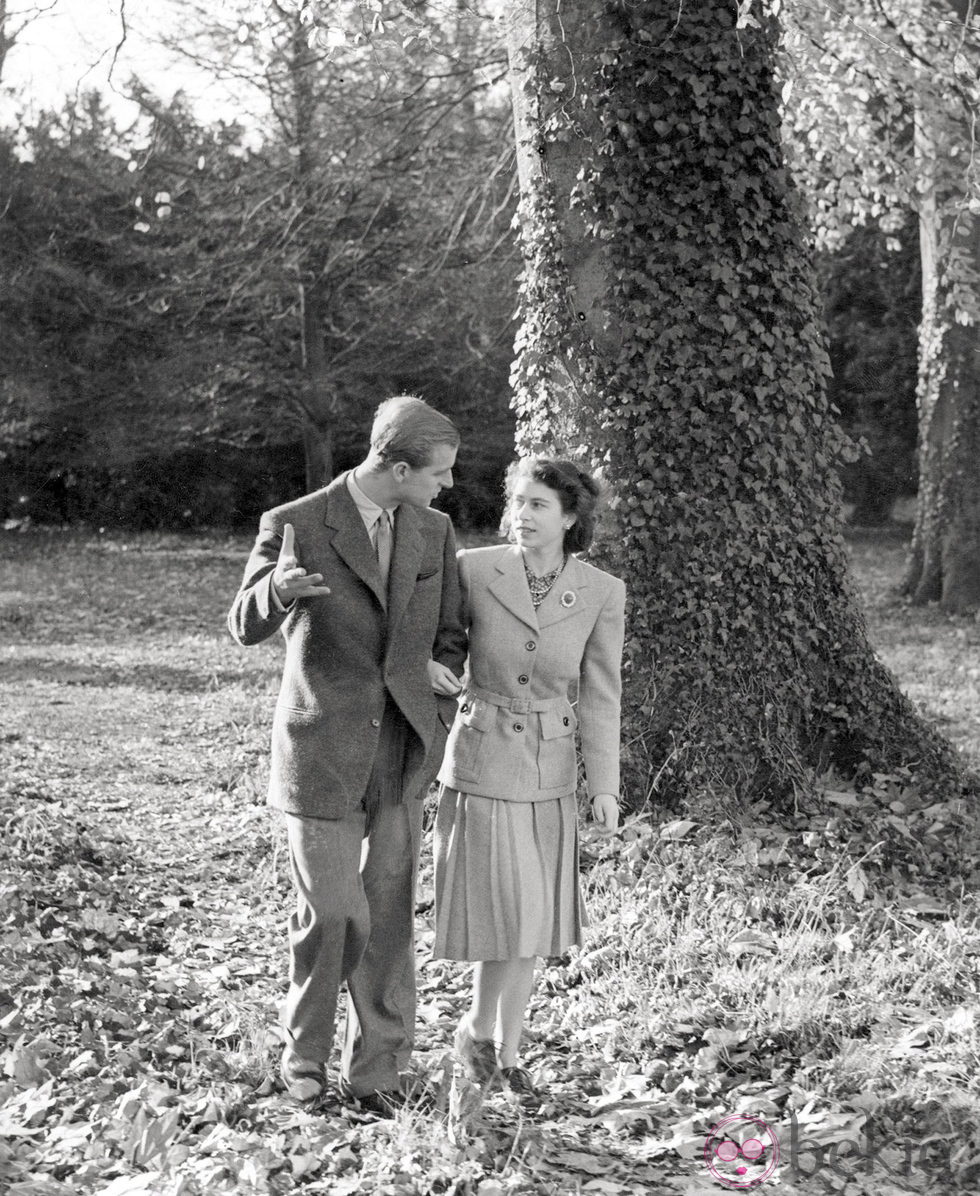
{"points": [[944, 563], [669, 332]]}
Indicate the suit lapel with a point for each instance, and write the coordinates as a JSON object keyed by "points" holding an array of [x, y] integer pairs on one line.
{"points": [[350, 539], [570, 584], [510, 588], [405, 561]]}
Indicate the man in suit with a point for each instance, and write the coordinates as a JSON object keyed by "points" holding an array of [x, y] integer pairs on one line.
{"points": [[360, 578]]}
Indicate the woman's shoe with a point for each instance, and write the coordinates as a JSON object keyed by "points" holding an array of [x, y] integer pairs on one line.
{"points": [[518, 1080], [477, 1055]]}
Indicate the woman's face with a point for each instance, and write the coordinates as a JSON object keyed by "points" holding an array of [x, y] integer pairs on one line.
{"points": [[536, 516]]}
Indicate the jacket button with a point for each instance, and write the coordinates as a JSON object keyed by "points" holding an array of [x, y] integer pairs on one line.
{"points": [[518, 726], [530, 645], [375, 722], [523, 679], [565, 721]]}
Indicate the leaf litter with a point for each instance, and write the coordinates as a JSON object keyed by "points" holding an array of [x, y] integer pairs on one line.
{"points": [[143, 894]]}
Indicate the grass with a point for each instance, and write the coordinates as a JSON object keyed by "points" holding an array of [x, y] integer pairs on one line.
{"points": [[935, 656], [797, 973]]}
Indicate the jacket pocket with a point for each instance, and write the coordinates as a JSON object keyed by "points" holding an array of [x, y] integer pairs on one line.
{"points": [[470, 736], [429, 568], [556, 749]]}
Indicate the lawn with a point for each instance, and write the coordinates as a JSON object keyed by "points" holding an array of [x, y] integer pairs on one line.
{"points": [[817, 981]]}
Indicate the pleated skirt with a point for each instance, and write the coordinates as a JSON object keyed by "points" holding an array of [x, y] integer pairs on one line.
{"points": [[506, 877]]}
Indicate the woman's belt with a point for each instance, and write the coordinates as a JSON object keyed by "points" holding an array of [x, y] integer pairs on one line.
{"points": [[515, 705]]}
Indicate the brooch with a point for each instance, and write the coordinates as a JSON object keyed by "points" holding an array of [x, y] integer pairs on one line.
{"points": [[568, 598]]}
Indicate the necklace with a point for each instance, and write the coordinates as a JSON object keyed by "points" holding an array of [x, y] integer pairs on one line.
{"points": [[540, 586]]}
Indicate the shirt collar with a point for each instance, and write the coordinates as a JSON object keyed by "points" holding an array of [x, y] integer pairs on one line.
{"points": [[370, 511]]}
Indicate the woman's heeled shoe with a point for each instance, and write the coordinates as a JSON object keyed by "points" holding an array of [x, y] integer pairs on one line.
{"points": [[477, 1055], [518, 1081]]}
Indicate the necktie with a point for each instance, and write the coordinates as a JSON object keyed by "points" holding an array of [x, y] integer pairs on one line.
{"points": [[382, 544]]}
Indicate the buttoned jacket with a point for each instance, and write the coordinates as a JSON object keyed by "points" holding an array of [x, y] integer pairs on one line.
{"points": [[345, 649], [536, 677]]}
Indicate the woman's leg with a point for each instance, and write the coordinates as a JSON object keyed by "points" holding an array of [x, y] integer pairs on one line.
{"points": [[501, 991]]}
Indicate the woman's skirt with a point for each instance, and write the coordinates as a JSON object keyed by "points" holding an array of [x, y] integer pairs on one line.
{"points": [[506, 877]]}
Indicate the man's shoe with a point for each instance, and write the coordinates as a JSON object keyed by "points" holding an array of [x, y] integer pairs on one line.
{"points": [[518, 1081], [381, 1104], [477, 1055], [303, 1079], [412, 1092]]}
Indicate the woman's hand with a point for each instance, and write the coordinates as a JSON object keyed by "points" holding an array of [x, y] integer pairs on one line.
{"points": [[605, 811], [443, 680]]}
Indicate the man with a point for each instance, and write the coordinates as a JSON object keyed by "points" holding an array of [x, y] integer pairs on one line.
{"points": [[361, 579]]}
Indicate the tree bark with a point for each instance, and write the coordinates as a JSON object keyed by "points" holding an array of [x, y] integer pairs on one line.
{"points": [[670, 336], [320, 399], [944, 562]]}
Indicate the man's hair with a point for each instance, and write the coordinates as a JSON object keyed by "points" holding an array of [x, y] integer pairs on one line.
{"points": [[577, 491], [407, 429]]}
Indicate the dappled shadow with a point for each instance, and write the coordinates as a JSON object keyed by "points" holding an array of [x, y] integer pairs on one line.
{"points": [[49, 670]]}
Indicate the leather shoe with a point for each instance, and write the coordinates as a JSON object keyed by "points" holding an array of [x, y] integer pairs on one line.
{"points": [[381, 1104], [412, 1092], [477, 1055], [303, 1079], [518, 1081]]}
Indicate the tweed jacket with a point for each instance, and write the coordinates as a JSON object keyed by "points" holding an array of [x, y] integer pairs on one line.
{"points": [[514, 735], [345, 649]]}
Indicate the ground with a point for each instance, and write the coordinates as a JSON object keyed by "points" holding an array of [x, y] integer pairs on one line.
{"points": [[768, 972]]}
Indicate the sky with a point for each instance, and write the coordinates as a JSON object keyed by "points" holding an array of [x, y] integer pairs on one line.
{"points": [[72, 47]]}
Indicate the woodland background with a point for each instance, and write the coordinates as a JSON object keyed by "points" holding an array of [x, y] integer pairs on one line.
{"points": [[200, 314]]}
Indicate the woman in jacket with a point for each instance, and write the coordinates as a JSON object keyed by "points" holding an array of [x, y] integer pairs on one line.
{"points": [[545, 650]]}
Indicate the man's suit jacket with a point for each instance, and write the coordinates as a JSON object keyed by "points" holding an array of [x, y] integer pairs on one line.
{"points": [[514, 736], [343, 650]]}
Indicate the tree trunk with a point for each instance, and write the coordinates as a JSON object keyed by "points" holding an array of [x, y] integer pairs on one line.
{"points": [[7, 36], [320, 396], [320, 399], [318, 455], [669, 334], [944, 563]]}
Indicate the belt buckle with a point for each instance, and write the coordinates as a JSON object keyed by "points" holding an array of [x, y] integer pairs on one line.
{"points": [[520, 706]]}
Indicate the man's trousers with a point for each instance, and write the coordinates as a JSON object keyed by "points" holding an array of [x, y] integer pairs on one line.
{"points": [[355, 922]]}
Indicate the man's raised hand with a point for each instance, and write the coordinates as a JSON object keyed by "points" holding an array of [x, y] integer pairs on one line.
{"points": [[290, 579]]}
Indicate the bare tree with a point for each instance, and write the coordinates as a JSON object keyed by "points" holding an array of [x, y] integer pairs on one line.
{"points": [[375, 179]]}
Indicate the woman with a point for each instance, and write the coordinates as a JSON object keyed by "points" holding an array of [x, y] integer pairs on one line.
{"points": [[542, 625]]}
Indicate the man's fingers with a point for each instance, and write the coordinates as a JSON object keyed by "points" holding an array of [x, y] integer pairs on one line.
{"points": [[308, 591], [296, 573], [288, 549], [297, 584]]}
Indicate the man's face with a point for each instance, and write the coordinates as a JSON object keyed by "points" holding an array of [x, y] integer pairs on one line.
{"points": [[418, 487]]}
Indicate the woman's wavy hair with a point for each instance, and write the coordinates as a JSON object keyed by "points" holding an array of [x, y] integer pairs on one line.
{"points": [[577, 490]]}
